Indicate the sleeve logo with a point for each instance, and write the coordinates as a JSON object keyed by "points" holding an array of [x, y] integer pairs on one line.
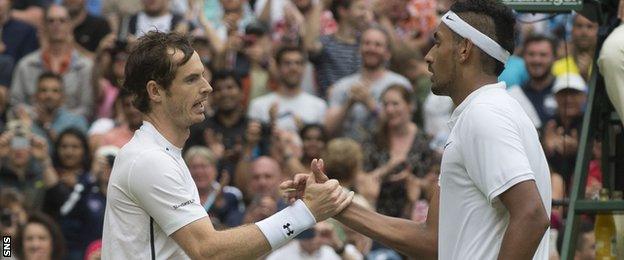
{"points": [[184, 204]]}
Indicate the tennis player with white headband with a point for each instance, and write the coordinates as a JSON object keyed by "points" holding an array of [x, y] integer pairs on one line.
{"points": [[494, 192]]}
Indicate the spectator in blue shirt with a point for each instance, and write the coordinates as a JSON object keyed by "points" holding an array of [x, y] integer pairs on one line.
{"points": [[18, 38]]}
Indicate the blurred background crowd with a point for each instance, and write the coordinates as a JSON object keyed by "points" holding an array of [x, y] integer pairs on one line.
{"points": [[293, 80]]}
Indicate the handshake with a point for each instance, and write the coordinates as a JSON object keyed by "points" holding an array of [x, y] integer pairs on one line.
{"points": [[324, 198]]}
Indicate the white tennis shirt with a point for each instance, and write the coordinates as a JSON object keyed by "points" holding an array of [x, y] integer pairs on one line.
{"points": [[151, 194], [493, 146]]}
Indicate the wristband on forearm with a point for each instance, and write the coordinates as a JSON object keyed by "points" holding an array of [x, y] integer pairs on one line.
{"points": [[286, 224]]}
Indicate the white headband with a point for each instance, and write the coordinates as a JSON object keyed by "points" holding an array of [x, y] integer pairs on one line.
{"points": [[482, 41]]}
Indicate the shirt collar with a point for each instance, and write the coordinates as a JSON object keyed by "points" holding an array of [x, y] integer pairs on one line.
{"points": [[462, 106], [148, 128]]}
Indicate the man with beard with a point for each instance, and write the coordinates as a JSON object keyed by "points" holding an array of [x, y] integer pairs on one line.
{"points": [[354, 100], [51, 118], [494, 195], [229, 125], [89, 30], [536, 95], [584, 36], [289, 108], [59, 56], [153, 207]]}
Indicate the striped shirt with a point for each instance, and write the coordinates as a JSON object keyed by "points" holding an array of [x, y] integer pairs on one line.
{"points": [[336, 60]]}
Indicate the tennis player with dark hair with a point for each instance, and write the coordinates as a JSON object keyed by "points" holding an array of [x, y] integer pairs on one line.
{"points": [[153, 209], [494, 189]]}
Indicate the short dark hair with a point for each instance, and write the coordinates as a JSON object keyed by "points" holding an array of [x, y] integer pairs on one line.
{"points": [[221, 75], [58, 243], [308, 127], [533, 38], [500, 28], [256, 28], [346, 4], [150, 59], [49, 75], [286, 49]]}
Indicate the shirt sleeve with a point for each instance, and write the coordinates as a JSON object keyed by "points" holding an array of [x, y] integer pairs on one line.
{"points": [[493, 152], [86, 106], [18, 88], [322, 111], [158, 185], [256, 112], [338, 94]]}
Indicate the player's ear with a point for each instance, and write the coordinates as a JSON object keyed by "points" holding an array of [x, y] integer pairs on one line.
{"points": [[464, 49], [154, 91]]}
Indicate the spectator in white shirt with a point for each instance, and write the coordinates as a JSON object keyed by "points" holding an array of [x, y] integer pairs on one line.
{"points": [[289, 107]]}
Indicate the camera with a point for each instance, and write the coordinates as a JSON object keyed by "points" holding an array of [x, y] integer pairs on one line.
{"points": [[20, 134]]}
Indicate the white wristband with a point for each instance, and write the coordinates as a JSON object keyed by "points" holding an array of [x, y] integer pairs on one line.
{"points": [[286, 224]]}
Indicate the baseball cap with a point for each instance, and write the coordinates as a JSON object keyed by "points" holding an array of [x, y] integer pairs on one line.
{"points": [[569, 81]]}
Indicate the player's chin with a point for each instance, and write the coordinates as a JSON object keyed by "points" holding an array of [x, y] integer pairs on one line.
{"points": [[437, 90], [194, 116], [197, 118]]}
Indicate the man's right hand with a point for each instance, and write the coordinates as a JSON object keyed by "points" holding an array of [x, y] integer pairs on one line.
{"points": [[294, 189], [325, 198]]}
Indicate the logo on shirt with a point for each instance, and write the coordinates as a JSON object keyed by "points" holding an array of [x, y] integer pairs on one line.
{"points": [[184, 204], [289, 231], [447, 144]]}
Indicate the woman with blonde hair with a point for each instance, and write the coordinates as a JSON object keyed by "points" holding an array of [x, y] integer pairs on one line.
{"points": [[343, 160], [221, 201]]}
